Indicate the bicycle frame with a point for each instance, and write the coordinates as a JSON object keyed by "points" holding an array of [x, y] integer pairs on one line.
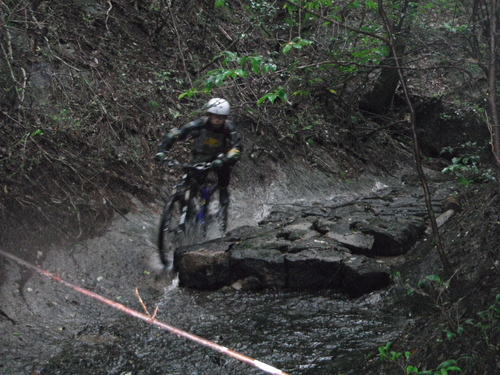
{"points": [[206, 192], [186, 216], [190, 185]]}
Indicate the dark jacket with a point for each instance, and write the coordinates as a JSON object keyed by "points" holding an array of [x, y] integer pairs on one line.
{"points": [[210, 143]]}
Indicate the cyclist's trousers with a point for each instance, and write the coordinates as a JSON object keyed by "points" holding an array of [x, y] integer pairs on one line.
{"points": [[224, 177]]}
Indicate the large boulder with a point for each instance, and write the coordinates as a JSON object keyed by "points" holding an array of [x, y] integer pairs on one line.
{"points": [[203, 266], [266, 265], [390, 237]]}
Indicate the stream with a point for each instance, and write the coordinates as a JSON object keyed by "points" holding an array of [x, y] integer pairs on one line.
{"points": [[47, 328]]}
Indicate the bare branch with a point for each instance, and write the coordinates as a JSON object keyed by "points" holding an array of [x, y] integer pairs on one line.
{"points": [[432, 218], [339, 24]]}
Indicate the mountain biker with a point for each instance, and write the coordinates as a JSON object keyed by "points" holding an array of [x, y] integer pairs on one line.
{"points": [[216, 141]]}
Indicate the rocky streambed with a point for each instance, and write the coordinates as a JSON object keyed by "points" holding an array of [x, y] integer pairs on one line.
{"points": [[280, 291]]}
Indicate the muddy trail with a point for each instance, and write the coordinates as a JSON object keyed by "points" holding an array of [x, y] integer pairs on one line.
{"points": [[47, 328]]}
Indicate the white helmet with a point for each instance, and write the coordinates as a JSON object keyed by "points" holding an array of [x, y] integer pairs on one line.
{"points": [[218, 106]]}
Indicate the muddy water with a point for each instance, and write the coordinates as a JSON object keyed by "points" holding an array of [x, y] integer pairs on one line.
{"points": [[47, 328], [298, 333]]}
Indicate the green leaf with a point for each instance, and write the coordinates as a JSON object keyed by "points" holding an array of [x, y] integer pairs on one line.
{"points": [[268, 67], [264, 98], [229, 57], [449, 365], [219, 3], [189, 94], [371, 5], [287, 47], [296, 43], [241, 73], [395, 355], [435, 278], [449, 334], [273, 95], [256, 64], [463, 181]]}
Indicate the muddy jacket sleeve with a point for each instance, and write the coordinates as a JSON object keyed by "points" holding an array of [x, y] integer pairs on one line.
{"points": [[179, 134], [234, 142]]}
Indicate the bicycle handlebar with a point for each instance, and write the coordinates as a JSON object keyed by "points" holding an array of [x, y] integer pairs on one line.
{"points": [[186, 166]]}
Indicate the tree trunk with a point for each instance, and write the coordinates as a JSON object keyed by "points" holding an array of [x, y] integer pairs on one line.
{"points": [[494, 123], [378, 101]]}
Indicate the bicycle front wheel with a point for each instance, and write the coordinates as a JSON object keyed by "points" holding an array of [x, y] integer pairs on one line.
{"points": [[172, 226]]}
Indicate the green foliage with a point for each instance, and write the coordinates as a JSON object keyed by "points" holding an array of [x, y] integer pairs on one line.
{"points": [[297, 43], [482, 334], [165, 79], [36, 132], [403, 359], [262, 14], [218, 77], [363, 49], [369, 53], [479, 334], [235, 67], [154, 106], [467, 164], [456, 28], [65, 119], [371, 5], [220, 3], [385, 353], [271, 96], [430, 282], [461, 165], [488, 323]]}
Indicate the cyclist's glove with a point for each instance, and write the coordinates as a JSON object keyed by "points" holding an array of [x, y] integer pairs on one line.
{"points": [[216, 164], [159, 157]]}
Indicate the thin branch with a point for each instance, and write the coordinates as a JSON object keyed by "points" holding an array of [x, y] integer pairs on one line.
{"points": [[339, 24], [8, 58], [432, 218], [226, 48], [180, 47], [107, 14], [492, 88], [144, 305]]}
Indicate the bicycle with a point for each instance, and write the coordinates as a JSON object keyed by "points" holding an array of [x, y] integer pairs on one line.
{"points": [[192, 211]]}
